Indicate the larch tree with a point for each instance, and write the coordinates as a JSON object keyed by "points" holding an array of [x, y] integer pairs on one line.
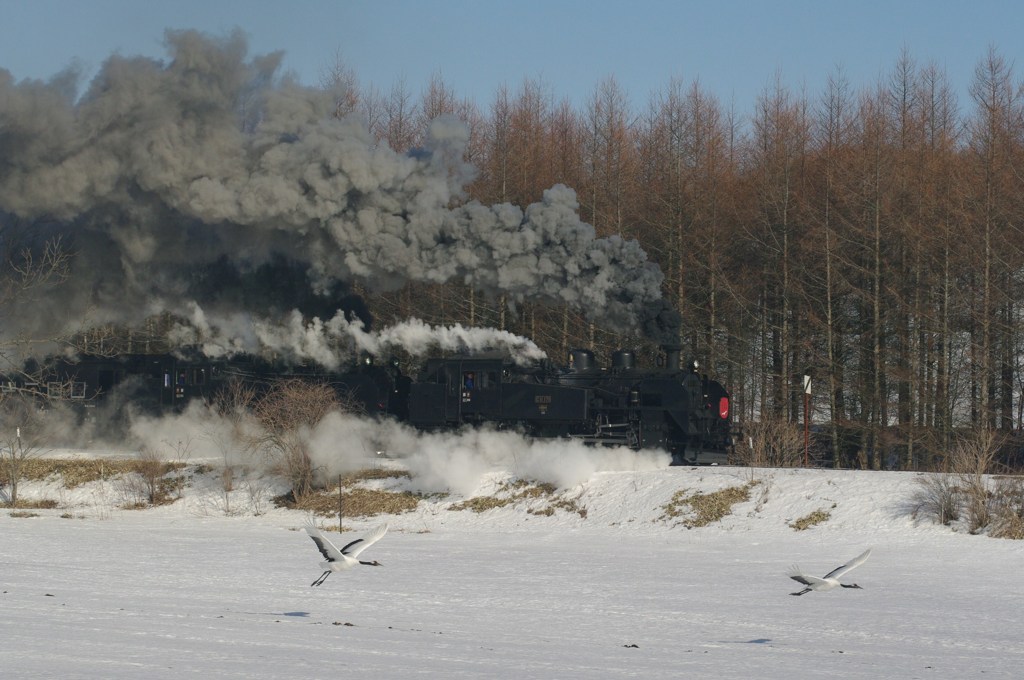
{"points": [[611, 167], [400, 115], [995, 139], [777, 154], [834, 128], [610, 157], [340, 80], [930, 206]]}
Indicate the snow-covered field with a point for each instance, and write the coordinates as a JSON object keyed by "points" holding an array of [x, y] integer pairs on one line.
{"points": [[187, 590]]}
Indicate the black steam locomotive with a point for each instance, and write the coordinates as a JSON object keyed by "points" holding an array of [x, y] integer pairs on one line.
{"points": [[669, 408], [680, 411]]}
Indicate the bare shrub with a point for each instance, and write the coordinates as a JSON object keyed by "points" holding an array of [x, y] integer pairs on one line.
{"points": [[233, 403], [287, 413], [975, 452], [180, 452], [132, 491], [234, 399], [227, 485], [151, 469], [258, 492], [938, 496], [771, 442], [1008, 508], [970, 461]]}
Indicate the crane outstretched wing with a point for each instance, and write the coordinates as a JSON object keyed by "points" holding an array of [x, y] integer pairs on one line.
{"points": [[360, 544], [326, 548], [855, 562]]}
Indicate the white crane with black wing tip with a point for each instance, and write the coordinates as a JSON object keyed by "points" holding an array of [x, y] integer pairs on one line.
{"points": [[829, 580], [347, 556]]}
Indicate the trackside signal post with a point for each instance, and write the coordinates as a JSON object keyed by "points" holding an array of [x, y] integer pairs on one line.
{"points": [[807, 420]]}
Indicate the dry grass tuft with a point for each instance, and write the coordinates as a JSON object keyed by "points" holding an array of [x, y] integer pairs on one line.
{"points": [[76, 472], [483, 503], [565, 504], [509, 493], [38, 504], [369, 474], [705, 508], [813, 519], [357, 502], [370, 502], [526, 489]]}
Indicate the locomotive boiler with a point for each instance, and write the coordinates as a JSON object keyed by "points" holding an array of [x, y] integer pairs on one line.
{"points": [[678, 410]]}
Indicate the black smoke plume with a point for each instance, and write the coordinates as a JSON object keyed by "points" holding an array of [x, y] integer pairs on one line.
{"points": [[211, 186]]}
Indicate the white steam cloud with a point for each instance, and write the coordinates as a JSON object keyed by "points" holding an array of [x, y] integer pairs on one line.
{"points": [[458, 462], [338, 340]]}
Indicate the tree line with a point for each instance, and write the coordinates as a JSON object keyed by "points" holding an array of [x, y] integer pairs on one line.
{"points": [[869, 238]]}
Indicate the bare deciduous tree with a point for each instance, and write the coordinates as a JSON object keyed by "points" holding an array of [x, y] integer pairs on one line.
{"points": [[30, 266], [287, 412], [22, 434], [151, 469], [970, 461], [771, 442], [339, 79]]}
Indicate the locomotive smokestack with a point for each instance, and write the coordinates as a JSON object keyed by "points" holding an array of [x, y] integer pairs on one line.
{"points": [[672, 354]]}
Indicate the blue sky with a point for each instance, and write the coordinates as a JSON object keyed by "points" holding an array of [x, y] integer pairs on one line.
{"points": [[734, 48]]}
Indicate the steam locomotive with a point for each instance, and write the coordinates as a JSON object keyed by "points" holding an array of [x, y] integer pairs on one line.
{"points": [[680, 411]]}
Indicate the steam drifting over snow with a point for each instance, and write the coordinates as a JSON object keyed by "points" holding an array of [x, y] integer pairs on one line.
{"points": [[459, 462], [343, 442]]}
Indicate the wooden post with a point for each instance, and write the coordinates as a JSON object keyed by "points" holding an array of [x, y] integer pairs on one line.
{"points": [[340, 505]]}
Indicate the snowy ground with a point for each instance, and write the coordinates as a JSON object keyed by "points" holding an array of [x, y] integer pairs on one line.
{"points": [[188, 591]]}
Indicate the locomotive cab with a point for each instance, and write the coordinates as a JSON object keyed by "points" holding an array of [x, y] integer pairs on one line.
{"points": [[456, 391]]}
